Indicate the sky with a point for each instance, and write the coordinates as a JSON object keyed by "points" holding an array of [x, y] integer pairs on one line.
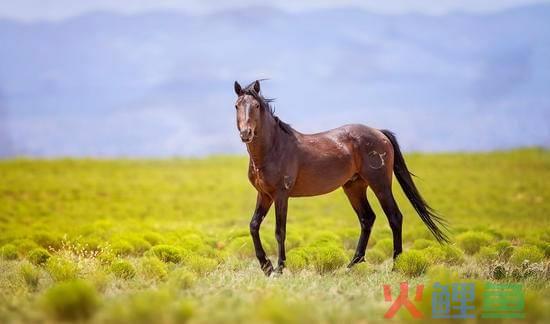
{"points": [[155, 78], [33, 10]]}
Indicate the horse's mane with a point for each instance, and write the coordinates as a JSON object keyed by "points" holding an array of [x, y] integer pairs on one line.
{"points": [[265, 104]]}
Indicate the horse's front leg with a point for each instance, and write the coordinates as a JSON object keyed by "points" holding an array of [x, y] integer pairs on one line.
{"points": [[263, 202], [281, 206]]}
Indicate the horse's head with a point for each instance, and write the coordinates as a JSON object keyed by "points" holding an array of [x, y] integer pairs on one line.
{"points": [[249, 110]]}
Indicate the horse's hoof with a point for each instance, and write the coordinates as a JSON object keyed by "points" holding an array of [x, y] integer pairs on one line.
{"points": [[279, 270], [267, 268], [356, 260]]}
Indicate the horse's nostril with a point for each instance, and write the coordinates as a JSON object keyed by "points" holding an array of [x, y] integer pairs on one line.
{"points": [[245, 133]]}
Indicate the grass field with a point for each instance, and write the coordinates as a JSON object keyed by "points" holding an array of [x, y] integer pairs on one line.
{"points": [[161, 241]]}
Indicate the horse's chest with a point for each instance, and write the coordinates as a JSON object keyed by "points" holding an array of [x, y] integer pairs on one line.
{"points": [[263, 180]]}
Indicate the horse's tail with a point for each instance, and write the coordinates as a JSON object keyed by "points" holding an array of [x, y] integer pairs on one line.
{"points": [[426, 213]]}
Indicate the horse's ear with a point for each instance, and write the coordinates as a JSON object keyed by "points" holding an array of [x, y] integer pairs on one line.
{"points": [[238, 89], [257, 86]]}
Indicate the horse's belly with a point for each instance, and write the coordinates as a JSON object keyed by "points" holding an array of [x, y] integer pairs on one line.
{"points": [[316, 180]]}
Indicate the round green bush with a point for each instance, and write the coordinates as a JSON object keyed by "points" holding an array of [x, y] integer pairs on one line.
{"points": [[122, 248], [39, 256], [139, 245], [375, 256], [385, 246], [123, 269], [296, 259], [71, 301], [412, 263], [326, 258], [8, 252], [61, 269], [153, 268], [166, 253], [471, 241], [529, 253]]}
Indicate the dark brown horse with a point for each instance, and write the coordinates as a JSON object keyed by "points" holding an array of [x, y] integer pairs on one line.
{"points": [[286, 163]]}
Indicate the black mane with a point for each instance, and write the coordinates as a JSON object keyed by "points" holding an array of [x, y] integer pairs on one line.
{"points": [[265, 104]]}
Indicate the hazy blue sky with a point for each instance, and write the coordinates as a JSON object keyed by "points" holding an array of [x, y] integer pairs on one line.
{"points": [[58, 9], [155, 78]]}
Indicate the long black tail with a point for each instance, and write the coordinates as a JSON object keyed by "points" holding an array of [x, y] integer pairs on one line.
{"points": [[426, 213]]}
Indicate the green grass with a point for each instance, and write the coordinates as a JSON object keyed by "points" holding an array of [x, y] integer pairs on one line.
{"points": [[167, 240]]}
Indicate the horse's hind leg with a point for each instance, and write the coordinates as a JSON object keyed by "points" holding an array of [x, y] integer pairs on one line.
{"points": [[356, 193], [395, 218]]}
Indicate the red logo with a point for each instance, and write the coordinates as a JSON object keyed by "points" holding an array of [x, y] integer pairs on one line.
{"points": [[403, 300]]}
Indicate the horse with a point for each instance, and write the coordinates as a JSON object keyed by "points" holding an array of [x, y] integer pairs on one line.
{"points": [[285, 163]]}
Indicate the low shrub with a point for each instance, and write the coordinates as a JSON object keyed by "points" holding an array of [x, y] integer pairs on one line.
{"points": [[166, 253], [139, 245], [71, 301], [296, 259], [153, 268], [121, 248], [471, 241], [326, 258], [199, 264], [412, 263], [8, 252], [123, 269], [61, 269], [375, 256], [39, 256], [528, 253], [30, 274]]}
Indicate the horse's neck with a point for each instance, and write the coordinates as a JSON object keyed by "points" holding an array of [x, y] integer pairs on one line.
{"points": [[261, 147]]}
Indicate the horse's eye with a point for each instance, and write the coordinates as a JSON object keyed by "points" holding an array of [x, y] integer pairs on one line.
{"points": [[236, 107]]}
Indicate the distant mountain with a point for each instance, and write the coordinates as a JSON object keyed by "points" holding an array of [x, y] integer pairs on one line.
{"points": [[160, 84]]}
